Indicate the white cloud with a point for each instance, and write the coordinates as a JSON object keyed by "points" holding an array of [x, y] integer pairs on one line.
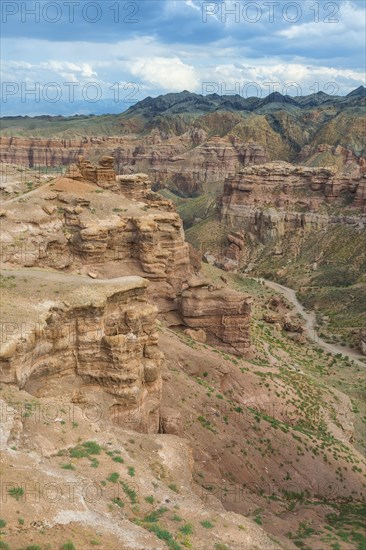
{"points": [[84, 69], [191, 4], [166, 73], [274, 75], [348, 27]]}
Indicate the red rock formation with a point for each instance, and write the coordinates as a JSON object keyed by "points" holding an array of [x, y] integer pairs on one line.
{"points": [[97, 338], [271, 201], [223, 314], [290, 188], [343, 158], [189, 163], [103, 174], [93, 228]]}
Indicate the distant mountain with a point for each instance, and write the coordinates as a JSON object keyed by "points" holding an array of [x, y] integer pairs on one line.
{"points": [[281, 124], [359, 92], [190, 103]]}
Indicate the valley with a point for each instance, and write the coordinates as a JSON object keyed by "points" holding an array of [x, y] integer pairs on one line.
{"points": [[183, 326]]}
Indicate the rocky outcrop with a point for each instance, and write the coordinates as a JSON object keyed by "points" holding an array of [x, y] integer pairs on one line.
{"points": [[189, 163], [285, 185], [223, 314], [362, 341], [98, 339], [69, 225], [102, 174], [344, 159], [275, 198], [94, 229], [134, 186]]}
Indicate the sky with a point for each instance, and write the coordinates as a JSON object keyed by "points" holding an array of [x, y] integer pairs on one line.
{"points": [[102, 56]]}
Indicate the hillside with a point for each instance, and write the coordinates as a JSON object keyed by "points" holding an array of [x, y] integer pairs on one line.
{"points": [[283, 125], [183, 404]]}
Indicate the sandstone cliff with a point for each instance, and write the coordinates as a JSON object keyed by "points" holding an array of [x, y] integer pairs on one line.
{"points": [[222, 314], [94, 223], [273, 199], [189, 163], [96, 339]]}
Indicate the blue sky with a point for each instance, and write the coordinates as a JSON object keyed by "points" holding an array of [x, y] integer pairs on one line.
{"points": [[104, 55]]}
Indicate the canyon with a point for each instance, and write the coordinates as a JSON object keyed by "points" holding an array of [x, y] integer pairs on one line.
{"points": [[189, 163], [146, 354], [275, 199]]}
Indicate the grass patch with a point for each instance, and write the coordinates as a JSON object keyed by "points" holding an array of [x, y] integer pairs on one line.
{"points": [[85, 450], [186, 529], [154, 516], [68, 466], [118, 502], [16, 492], [131, 493], [207, 524], [166, 536], [113, 478], [118, 459]]}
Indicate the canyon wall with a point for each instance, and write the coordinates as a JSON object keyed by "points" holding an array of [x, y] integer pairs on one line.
{"points": [[97, 338], [107, 227], [190, 163], [222, 314], [277, 197]]}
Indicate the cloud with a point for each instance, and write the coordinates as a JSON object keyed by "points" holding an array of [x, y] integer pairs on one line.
{"points": [[348, 21], [191, 4], [84, 70], [287, 78], [167, 73], [171, 49]]}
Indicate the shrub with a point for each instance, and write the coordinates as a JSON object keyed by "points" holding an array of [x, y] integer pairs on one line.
{"points": [[207, 524], [131, 493], [68, 467], [186, 529], [118, 501], [85, 449], [16, 492], [155, 515], [113, 478]]}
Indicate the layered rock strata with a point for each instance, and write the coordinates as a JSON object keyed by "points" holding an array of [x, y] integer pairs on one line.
{"points": [[221, 314], [190, 163], [94, 229], [69, 225], [98, 339], [274, 198]]}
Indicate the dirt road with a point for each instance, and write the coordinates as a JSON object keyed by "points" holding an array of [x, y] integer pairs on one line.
{"points": [[310, 324]]}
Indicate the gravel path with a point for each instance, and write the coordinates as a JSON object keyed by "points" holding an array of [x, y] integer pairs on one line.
{"points": [[310, 324]]}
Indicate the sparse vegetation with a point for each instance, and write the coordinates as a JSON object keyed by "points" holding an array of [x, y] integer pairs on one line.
{"points": [[207, 524], [68, 466], [16, 492], [113, 478]]}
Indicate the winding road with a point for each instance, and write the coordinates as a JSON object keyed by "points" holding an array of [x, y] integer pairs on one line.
{"points": [[310, 324]]}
